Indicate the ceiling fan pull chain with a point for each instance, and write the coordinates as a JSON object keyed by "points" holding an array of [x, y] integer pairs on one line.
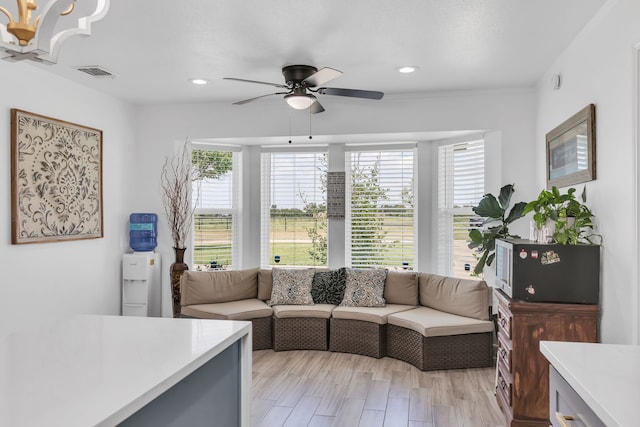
{"points": [[289, 127], [310, 137]]}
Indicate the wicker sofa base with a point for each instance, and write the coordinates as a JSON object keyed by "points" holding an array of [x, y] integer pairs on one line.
{"points": [[357, 337], [443, 352], [261, 329], [300, 333]]}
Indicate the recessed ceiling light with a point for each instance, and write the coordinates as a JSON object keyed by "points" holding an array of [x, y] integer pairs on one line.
{"points": [[407, 69], [198, 81]]}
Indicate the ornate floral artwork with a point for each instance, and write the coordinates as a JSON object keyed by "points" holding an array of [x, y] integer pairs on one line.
{"points": [[56, 180]]}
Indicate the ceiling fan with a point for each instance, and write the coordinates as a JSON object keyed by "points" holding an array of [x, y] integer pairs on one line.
{"points": [[301, 83]]}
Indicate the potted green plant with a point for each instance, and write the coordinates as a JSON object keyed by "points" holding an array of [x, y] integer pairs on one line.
{"points": [[569, 218], [497, 218]]}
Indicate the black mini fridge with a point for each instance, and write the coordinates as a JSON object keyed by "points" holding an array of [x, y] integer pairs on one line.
{"points": [[540, 272]]}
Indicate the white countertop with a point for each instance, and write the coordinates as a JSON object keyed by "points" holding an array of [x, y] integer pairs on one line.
{"points": [[606, 376], [98, 370]]}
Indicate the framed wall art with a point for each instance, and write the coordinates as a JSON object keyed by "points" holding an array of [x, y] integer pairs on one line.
{"points": [[571, 150], [56, 180]]}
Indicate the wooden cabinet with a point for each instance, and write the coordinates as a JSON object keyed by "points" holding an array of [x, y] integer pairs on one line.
{"points": [[522, 371]]}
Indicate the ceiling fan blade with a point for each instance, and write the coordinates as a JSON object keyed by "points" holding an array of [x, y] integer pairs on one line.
{"points": [[316, 107], [246, 101], [256, 81], [353, 93], [322, 76]]}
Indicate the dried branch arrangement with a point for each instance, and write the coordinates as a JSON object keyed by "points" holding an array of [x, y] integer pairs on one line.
{"points": [[176, 181]]}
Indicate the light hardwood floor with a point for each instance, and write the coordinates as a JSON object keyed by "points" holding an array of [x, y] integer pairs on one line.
{"points": [[320, 388]]}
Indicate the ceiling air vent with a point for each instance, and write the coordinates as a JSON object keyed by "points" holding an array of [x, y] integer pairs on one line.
{"points": [[96, 71]]}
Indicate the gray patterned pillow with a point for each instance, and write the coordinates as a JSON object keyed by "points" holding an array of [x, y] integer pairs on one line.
{"points": [[364, 288], [292, 287], [328, 286]]}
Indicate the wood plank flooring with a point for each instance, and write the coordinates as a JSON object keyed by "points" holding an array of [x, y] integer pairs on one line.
{"points": [[322, 389]]}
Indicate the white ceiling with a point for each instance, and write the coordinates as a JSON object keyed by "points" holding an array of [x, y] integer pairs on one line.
{"points": [[155, 46]]}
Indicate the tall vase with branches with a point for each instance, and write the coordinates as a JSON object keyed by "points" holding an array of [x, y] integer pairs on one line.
{"points": [[176, 179]]}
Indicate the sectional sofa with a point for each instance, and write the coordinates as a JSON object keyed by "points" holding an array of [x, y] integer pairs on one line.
{"points": [[430, 321]]}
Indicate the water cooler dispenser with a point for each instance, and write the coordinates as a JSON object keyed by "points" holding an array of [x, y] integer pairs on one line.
{"points": [[141, 283]]}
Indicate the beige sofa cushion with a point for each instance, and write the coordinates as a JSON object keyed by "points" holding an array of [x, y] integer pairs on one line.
{"points": [[401, 287], [265, 283], [235, 310], [369, 314], [435, 323], [204, 287], [463, 297], [322, 311]]}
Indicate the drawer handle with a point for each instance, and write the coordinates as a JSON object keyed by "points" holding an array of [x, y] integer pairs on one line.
{"points": [[503, 384], [503, 322], [564, 420], [503, 353]]}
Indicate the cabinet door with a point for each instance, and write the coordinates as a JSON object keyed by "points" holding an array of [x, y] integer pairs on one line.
{"points": [[566, 405]]}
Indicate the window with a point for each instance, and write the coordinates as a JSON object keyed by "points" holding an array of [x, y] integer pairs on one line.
{"points": [[379, 209], [460, 187], [215, 195], [294, 213]]}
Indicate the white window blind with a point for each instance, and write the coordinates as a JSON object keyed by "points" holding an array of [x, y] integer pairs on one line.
{"points": [[294, 214], [460, 187], [215, 219], [380, 226]]}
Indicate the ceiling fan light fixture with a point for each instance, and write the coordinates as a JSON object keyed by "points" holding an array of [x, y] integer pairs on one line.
{"points": [[300, 102]]}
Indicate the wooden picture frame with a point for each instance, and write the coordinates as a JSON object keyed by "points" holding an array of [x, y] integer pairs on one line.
{"points": [[571, 150], [56, 180]]}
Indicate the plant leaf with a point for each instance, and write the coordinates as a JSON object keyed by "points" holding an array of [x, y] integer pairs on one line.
{"points": [[490, 258], [516, 212], [475, 235], [480, 265], [505, 196], [489, 207]]}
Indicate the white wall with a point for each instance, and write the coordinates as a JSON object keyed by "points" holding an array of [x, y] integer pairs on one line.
{"points": [[162, 129], [599, 68], [53, 280]]}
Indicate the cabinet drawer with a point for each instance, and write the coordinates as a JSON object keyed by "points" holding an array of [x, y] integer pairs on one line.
{"points": [[504, 322], [504, 352], [565, 403], [504, 388]]}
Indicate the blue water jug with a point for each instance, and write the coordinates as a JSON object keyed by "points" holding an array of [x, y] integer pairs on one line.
{"points": [[143, 231]]}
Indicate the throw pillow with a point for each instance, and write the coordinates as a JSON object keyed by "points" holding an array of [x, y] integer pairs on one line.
{"points": [[364, 288], [292, 287], [328, 286]]}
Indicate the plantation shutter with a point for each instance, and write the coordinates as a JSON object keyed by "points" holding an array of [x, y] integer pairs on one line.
{"points": [[460, 187], [380, 226], [294, 214], [215, 215]]}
